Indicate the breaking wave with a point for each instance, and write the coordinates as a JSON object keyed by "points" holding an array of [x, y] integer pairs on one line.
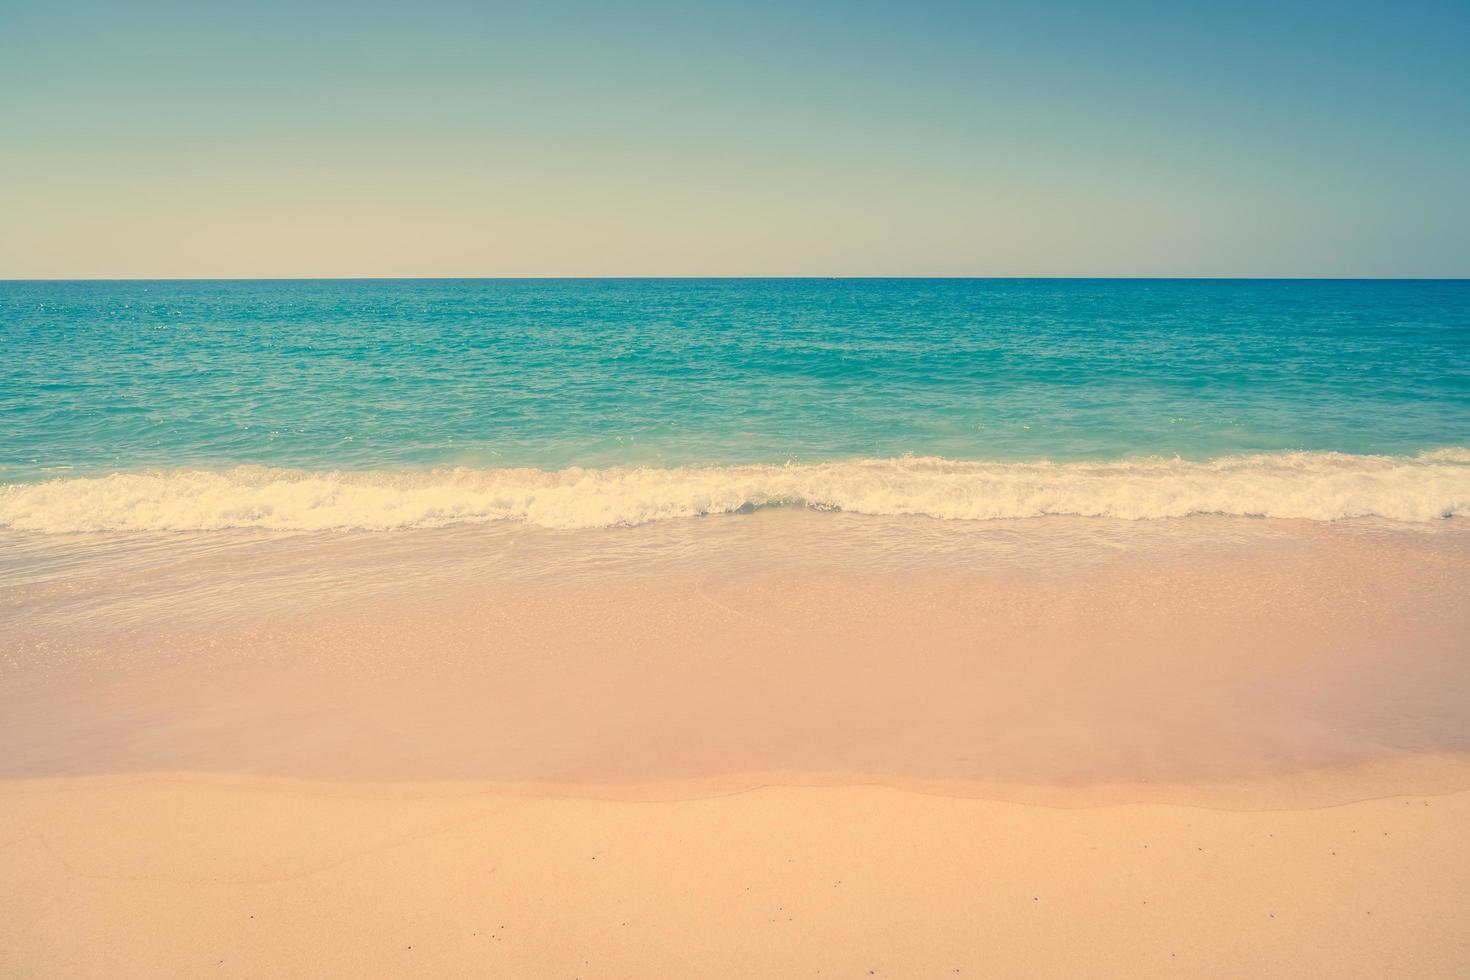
{"points": [[1307, 485]]}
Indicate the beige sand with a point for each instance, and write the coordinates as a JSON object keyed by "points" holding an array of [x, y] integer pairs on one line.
{"points": [[193, 876], [1254, 762]]}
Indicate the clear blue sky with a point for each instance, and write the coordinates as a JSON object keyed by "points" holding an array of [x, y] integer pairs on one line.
{"points": [[310, 138]]}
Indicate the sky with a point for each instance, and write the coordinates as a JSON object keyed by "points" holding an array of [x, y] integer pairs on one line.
{"points": [[202, 139]]}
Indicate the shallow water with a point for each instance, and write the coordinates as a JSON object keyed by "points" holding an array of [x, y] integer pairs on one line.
{"points": [[56, 589]]}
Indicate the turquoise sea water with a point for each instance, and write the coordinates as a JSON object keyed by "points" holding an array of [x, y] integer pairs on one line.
{"points": [[484, 399]]}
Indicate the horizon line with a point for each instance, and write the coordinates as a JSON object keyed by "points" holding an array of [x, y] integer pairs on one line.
{"points": [[736, 278]]}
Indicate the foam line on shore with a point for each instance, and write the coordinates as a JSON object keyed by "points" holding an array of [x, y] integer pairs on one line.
{"points": [[1300, 485]]}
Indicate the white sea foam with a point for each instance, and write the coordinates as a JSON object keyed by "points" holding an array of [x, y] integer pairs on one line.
{"points": [[1314, 486]]}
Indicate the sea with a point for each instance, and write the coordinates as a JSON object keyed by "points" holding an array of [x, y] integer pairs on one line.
{"points": [[381, 405]]}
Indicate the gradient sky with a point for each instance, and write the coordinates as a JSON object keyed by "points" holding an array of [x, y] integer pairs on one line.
{"points": [[484, 139]]}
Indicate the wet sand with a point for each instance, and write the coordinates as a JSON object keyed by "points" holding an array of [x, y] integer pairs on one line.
{"points": [[1255, 664]]}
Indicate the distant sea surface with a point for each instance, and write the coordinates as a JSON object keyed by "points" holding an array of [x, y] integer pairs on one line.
{"points": [[315, 405]]}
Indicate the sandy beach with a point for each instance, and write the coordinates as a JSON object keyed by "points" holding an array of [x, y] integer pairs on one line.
{"points": [[188, 876], [1241, 752]]}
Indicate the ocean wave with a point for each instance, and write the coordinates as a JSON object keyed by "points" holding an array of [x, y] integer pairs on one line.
{"points": [[1305, 485]]}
